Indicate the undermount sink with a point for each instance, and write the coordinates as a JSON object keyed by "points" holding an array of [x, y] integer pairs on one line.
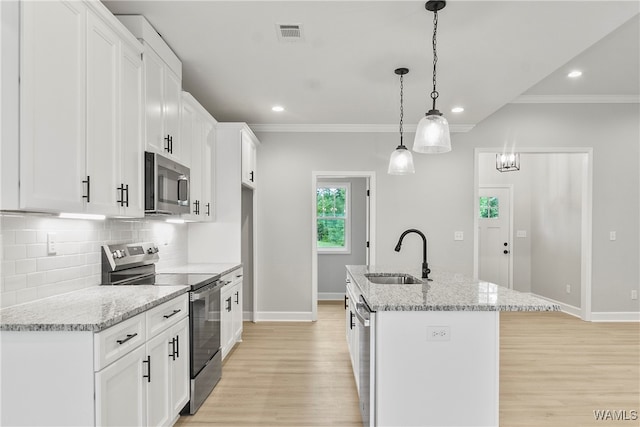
{"points": [[397, 279]]}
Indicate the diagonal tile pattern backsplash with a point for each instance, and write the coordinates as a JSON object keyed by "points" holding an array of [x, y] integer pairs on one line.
{"points": [[28, 273]]}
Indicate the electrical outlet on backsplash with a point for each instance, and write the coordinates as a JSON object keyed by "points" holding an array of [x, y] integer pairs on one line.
{"points": [[28, 272]]}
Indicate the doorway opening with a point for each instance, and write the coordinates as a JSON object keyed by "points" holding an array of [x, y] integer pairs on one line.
{"points": [[342, 230], [548, 245]]}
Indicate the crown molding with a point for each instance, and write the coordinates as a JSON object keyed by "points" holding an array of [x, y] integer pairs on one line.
{"points": [[577, 99], [346, 128]]}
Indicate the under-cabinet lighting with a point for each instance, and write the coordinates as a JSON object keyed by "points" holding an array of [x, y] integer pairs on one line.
{"points": [[175, 220], [82, 216]]}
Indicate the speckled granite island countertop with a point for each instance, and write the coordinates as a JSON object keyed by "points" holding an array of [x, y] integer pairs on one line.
{"points": [[91, 309], [446, 292]]}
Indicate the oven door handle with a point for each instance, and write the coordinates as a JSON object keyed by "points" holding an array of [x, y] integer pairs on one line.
{"points": [[208, 289]]}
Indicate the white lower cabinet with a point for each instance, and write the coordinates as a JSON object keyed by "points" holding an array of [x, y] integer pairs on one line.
{"points": [[352, 330], [120, 392], [149, 385], [231, 311], [134, 373]]}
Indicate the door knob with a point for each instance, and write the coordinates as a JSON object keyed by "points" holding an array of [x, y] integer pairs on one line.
{"points": [[505, 251]]}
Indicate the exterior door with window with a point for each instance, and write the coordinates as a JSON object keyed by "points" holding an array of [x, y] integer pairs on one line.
{"points": [[494, 235]]}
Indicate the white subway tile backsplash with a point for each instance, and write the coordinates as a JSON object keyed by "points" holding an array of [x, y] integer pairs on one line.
{"points": [[25, 266], [35, 279], [36, 251], [8, 299], [8, 268], [29, 273], [25, 236], [13, 283], [12, 222], [26, 295], [14, 252], [8, 237]]}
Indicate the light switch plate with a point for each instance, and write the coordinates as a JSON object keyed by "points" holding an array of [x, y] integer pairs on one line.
{"points": [[51, 244], [521, 233], [612, 235], [458, 235]]}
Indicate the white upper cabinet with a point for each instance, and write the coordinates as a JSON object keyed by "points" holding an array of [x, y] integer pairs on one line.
{"points": [[198, 137], [52, 106], [80, 110], [162, 91], [249, 144], [103, 46], [131, 183]]}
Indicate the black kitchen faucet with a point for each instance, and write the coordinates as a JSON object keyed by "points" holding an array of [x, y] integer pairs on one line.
{"points": [[425, 266]]}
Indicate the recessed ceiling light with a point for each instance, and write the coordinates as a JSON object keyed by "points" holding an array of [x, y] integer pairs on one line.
{"points": [[277, 108], [457, 109], [574, 74]]}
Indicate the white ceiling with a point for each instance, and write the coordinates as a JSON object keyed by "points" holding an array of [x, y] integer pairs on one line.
{"points": [[342, 73]]}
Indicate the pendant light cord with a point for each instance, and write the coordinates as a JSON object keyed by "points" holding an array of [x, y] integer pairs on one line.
{"points": [[434, 93], [401, 105]]}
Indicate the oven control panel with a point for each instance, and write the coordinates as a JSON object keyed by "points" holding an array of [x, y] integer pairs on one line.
{"points": [[127, 255]]}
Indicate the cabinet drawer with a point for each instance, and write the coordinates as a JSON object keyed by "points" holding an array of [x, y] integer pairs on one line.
{"points": [[118, 340], [167, 314], [237, 276]]}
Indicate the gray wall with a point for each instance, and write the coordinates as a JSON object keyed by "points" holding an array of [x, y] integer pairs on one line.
{"points": [[246, 252], [547, 205], [556, 221], [438, 199], [331, 270]]}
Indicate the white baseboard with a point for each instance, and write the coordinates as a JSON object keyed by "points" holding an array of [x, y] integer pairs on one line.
{"points": [[284, 316], [616, 316], [330, 296], [566, 308]]}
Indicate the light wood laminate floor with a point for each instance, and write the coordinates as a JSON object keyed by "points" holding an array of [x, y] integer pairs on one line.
{"points": [[555, 370]]}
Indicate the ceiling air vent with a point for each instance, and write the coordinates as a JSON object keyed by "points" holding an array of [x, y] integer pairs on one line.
{"points": [[290, 32]]}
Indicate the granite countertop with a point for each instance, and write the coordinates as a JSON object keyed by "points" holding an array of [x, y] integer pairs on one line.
{"points": [[91, 309], [203, 268], [447, 292]]}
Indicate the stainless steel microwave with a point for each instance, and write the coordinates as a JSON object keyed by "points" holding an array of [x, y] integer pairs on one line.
{"points": [[166, 186]]}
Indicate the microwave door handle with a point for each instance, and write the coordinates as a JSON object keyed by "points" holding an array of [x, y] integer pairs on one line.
{"points": [[183, 181]]}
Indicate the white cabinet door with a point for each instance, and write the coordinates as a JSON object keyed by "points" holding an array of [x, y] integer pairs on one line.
{"points": [[248, 160], [102, 116], [158, 391], [154, 101], [180, 375], [171, 119], [131, 143], [207, 171], [121, 391], [226, 320], [52, 106], [237, 311], [188, 132]]}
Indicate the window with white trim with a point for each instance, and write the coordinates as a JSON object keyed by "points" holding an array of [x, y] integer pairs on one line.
{"points": [[332, 217]]}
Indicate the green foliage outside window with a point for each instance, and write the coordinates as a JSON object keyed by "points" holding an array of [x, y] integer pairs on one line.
{"points": [[331, 213], [489, 207]]}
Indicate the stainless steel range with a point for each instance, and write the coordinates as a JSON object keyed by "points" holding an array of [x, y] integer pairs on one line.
{"points": [[134, 264]]}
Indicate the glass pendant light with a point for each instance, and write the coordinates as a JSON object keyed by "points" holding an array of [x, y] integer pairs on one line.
{"points": [[432, 134], [401, 161]]}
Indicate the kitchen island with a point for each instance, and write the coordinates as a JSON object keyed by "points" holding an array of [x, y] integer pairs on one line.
{"points": [[429, 353]]}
